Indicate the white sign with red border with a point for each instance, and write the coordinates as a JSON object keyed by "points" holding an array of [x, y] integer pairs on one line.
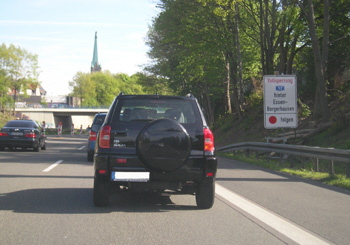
{"points": [[280, 101]]}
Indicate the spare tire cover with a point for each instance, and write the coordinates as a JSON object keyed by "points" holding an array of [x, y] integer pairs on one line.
{"points": [[163, 145]]}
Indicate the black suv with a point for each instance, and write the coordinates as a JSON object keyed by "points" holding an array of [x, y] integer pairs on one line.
{"points": [[155, 143]]}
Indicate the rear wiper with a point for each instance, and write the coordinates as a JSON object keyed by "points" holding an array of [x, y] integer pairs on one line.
{"points": [[140, 120]]}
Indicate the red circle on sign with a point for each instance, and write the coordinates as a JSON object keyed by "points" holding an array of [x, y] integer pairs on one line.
{"points": [[272, 119]]}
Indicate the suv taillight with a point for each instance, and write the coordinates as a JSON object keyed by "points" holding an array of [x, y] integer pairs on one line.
{"points": [[105, 136], [92, 136], [208, 140]]}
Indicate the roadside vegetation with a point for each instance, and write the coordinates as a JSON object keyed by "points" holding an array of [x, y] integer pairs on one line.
{"points": [[306, 171], [231, 130], [4, 117]]}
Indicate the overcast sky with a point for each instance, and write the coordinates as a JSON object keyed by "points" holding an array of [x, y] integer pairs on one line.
{"points": [[62, 32]]}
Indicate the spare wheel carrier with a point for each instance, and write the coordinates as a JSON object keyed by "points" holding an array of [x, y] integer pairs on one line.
{"points": [[163, 145]]}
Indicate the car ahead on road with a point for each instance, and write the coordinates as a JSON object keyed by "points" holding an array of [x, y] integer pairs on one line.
{"points": [[155, 143], [95, 127], [23, 134]]}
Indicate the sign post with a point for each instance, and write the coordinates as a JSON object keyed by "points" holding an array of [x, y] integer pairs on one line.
{"points": [[280, 102]]}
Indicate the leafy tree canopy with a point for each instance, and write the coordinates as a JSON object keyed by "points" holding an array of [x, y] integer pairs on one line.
{"points": [[100, 88], [19, 70]]}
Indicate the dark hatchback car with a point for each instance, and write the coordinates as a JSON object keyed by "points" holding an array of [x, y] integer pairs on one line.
{"points": [[22, 134], [155, 143], [95, 127]]}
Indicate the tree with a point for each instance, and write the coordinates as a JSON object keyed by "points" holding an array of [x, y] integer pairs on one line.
{"points": [[152, 84], [191, 47], [320, 51], [3, 90], [339, 48], [106, 87], [84, 89], [100, 88], [219, 49], [19, 69]]}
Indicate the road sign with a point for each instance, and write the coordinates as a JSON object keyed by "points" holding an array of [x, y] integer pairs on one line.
{"points": [[280, 101]]}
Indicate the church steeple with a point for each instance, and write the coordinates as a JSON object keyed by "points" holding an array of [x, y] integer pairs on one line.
{"points": [[95, 66]]}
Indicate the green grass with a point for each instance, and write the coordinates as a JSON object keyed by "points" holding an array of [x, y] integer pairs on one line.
{"points": [[332, 137], [338, 180]]}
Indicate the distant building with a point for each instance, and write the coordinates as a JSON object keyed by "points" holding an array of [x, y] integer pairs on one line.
{"points": [[33, 90], [62, 102], [95, 66], [32, 97]]}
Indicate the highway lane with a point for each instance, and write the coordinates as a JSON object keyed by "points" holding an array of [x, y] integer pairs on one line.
{"points": [[38, 207], [315, 207]]}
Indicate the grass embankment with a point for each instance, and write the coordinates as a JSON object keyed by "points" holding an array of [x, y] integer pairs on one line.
{"points": [[251, 128], [307, 171]]}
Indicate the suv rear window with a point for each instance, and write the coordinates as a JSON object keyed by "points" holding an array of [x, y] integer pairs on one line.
{"points": [[128, 110], [99, 119]]}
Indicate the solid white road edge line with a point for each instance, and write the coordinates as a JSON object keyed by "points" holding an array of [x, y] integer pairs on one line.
{"points": [[292, 231], [52, 166]]}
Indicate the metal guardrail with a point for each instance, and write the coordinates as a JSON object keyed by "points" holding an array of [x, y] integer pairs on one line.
{"points": [[334, 155]]}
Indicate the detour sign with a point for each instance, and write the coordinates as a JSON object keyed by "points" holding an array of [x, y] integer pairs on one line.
{"points": [[280, 102]]}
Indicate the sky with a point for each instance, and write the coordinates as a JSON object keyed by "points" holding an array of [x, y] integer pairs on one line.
{"points": [[62, 34]]}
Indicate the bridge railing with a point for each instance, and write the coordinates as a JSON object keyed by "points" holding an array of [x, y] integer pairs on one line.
{"points": [[334, 155]]}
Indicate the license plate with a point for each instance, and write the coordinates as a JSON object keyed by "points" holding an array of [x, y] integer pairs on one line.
{"points": [[17, 133], [130, 176]]}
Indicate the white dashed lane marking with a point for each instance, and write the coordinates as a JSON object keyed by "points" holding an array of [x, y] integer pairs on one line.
{"points": [[52, 166]]}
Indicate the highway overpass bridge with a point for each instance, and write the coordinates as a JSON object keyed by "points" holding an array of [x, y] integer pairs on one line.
{"points": [[52, 116]]}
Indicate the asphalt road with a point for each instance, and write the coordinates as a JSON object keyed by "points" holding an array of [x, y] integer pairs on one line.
{"points": [[46, 198]]}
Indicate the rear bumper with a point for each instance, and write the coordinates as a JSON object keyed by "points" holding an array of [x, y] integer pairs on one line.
{"points": [[196, 169], [29, 143]]}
